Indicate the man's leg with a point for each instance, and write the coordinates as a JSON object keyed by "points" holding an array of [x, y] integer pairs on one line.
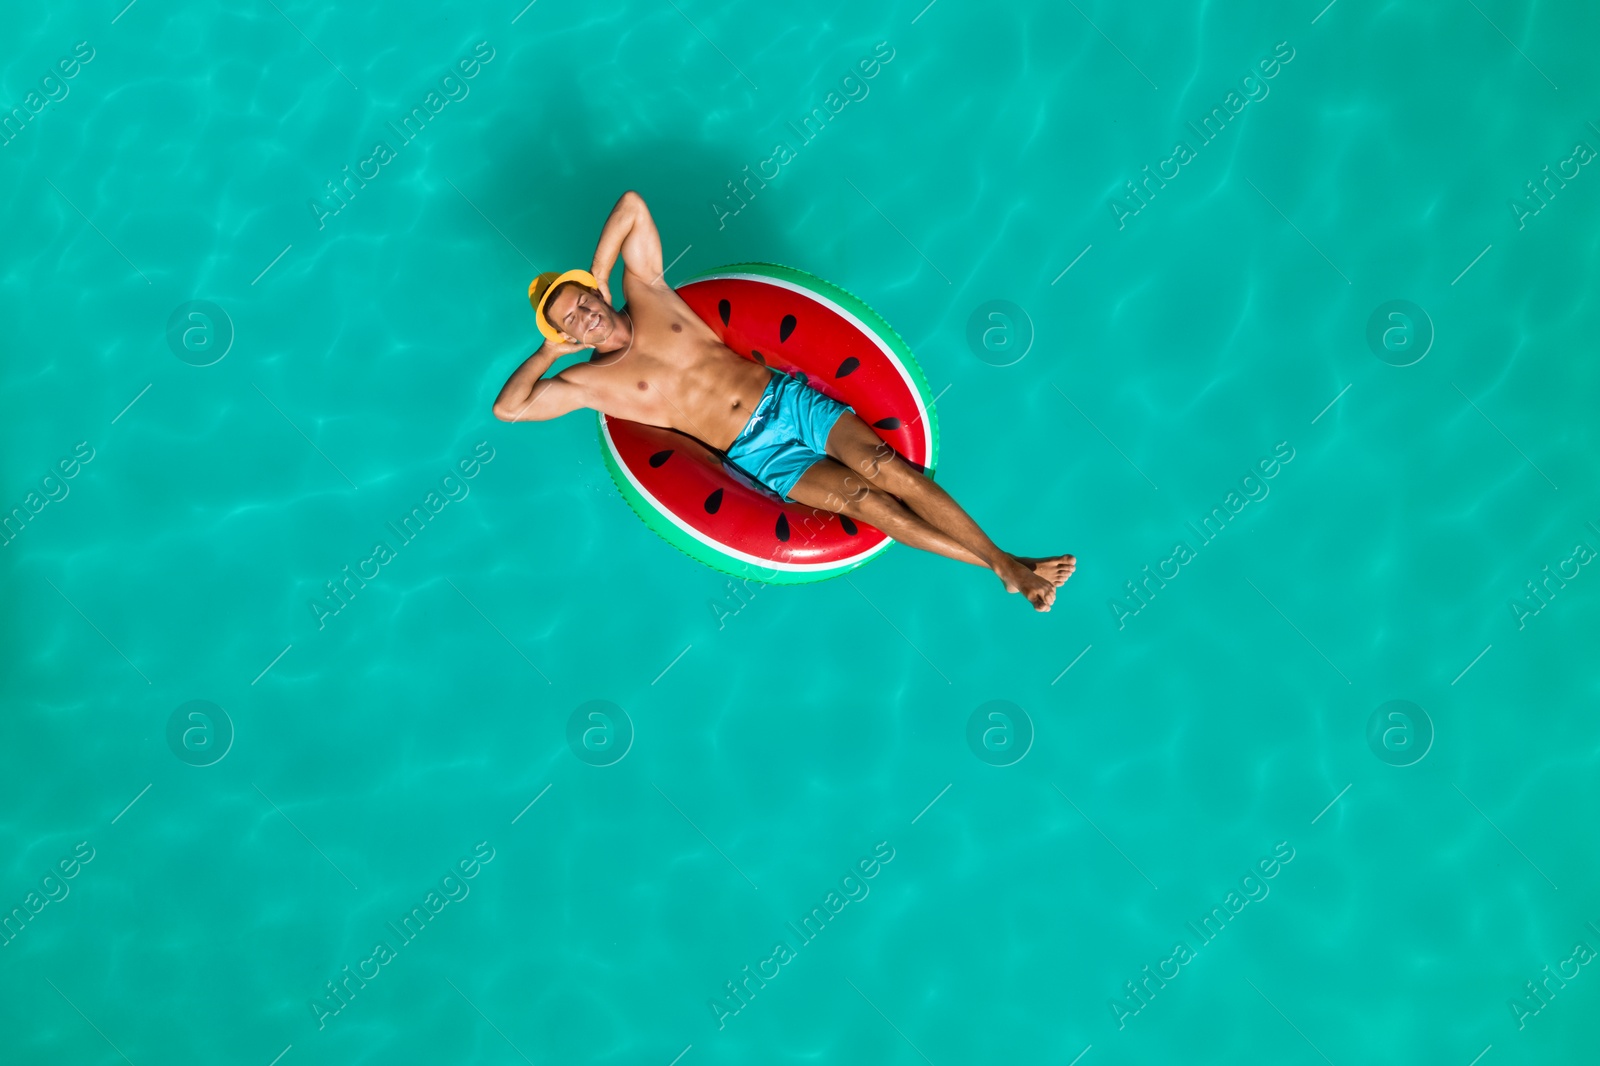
{"points": [[853, 443], [831, 486]]}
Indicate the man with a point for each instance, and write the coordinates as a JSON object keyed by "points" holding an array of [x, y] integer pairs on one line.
{"points": [[656, 362]]}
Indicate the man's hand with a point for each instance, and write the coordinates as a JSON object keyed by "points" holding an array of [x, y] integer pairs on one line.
{"points": [[556, 349], [605, 290]]}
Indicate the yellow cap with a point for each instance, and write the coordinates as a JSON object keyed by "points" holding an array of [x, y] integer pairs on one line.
{"points": [[541, 288]]}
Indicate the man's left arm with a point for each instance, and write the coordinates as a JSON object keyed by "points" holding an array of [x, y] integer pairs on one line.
{"points": [[630, 232]]}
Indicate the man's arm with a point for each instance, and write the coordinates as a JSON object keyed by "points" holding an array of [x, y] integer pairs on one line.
{"points": [[530, 397], [631, 232]]}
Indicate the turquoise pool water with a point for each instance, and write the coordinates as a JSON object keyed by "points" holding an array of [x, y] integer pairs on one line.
{"points": [[542, 789]]}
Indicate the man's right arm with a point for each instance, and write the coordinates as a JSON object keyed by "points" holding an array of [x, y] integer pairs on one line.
{"points": [[530, 397]]}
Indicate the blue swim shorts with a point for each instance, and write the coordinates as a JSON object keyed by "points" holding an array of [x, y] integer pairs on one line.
{"points": [[787, 433]]}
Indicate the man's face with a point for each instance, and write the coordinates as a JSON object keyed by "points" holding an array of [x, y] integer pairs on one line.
{"points": [[581, 314]]}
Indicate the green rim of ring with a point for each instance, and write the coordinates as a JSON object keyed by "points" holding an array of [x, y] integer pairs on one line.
{"points": [[713, 556]]}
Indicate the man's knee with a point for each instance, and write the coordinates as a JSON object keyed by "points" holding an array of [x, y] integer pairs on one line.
{"points": [[889, 473], [877, 507], [850, 495], [876, 462]]}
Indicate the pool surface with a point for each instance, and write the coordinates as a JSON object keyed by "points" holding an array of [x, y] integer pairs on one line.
{"points": [[1279, 316]]}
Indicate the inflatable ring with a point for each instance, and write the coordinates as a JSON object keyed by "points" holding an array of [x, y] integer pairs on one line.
{"points": [[700, 503]]}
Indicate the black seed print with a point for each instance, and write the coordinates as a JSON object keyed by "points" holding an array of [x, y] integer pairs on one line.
{"points": [[724, 309], [887, 423], [783, 527], [713, 502], [758, 357], [660, 457], [847, 367], [849, 526], [786, 327]]}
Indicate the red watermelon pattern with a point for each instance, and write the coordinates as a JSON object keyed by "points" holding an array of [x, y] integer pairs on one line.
{"points": [[785, 326]]}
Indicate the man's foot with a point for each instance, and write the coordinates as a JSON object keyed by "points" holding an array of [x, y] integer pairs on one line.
{"points": [[1053, 568], [1018, 577]]}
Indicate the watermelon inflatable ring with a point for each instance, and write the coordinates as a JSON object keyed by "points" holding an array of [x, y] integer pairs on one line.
{"points": [[713, 512]]}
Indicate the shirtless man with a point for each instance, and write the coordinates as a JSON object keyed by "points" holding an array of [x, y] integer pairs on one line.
{"points": [[657, 363]]}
